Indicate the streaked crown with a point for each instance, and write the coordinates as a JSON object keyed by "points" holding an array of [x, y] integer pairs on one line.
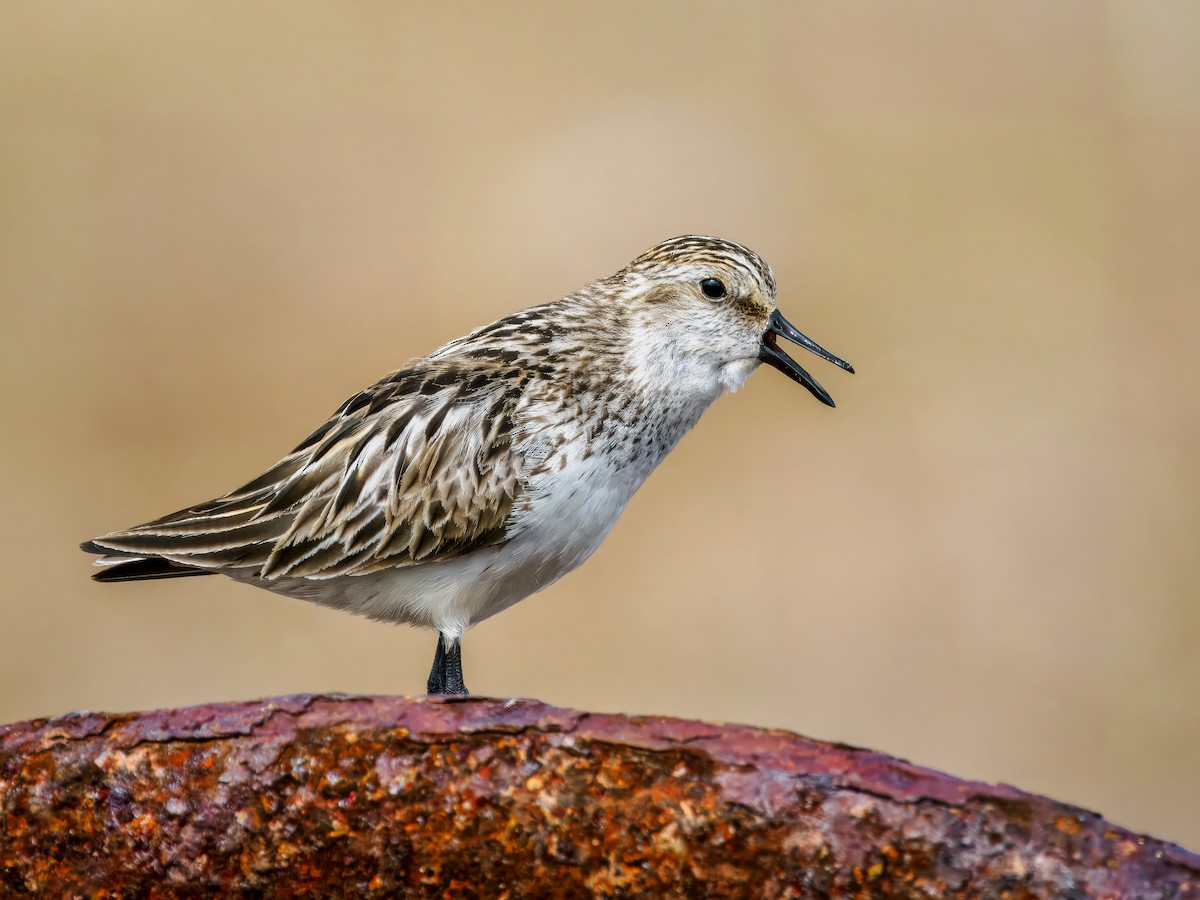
{"points": [[698, 250]]}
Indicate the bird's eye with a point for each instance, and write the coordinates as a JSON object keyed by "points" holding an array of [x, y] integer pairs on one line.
{"points": [[712, 288]]}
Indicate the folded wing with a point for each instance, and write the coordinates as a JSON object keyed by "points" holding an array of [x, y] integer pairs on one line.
{"points": [[419, 467]]}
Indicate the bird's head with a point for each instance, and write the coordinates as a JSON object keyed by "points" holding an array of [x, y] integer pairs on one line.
{"points": [[707, 305]]}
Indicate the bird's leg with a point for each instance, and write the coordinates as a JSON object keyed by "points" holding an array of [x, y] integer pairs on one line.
{"points": [[452, 670], [436, 676], [446, 676]]}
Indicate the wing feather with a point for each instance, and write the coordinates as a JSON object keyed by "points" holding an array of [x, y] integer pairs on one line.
{"points": [[418, 468]]}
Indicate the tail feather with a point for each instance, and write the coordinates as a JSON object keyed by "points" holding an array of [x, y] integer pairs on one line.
{"points": [[118, 566]]}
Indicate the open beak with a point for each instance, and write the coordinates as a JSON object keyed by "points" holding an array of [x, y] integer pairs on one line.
{"points": [[778, 326]]}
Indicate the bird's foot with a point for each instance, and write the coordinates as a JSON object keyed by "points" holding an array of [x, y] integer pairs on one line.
{"points": [[446, 676]]}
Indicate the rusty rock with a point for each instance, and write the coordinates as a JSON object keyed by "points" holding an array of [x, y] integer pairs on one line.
{"points": [[386, 796]]}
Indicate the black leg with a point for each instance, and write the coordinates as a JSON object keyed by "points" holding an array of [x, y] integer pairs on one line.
{"points": [[446, 676], [436, 677], [453, 677]]}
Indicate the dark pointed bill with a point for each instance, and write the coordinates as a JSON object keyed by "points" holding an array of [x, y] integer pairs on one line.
{"points": [[770, 353]]}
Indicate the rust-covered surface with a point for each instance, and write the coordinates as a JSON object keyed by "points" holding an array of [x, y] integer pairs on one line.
{"points": [[383, 796]]}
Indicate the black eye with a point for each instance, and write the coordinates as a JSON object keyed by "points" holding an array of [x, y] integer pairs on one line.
{"points": [[712, 288]]}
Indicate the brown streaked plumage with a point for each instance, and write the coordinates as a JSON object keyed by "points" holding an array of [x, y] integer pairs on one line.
{"points": [[483, 472]]}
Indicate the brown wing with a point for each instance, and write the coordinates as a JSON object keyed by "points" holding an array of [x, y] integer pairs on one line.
{"points": [[417, 468]]}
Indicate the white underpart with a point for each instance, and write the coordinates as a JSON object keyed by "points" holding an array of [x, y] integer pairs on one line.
{"points": [[569, 514]]}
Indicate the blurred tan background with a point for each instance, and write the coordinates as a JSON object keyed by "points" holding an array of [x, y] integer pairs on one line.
{"points": [[218, 220]]}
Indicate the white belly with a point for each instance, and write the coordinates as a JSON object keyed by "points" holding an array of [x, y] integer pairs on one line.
{"points": [[566, 520]]}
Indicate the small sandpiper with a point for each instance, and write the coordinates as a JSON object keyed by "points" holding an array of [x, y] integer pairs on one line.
{"points": [[477, 475]]}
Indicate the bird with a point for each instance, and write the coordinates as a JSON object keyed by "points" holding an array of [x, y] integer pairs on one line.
{"points": [[475, 476]]}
